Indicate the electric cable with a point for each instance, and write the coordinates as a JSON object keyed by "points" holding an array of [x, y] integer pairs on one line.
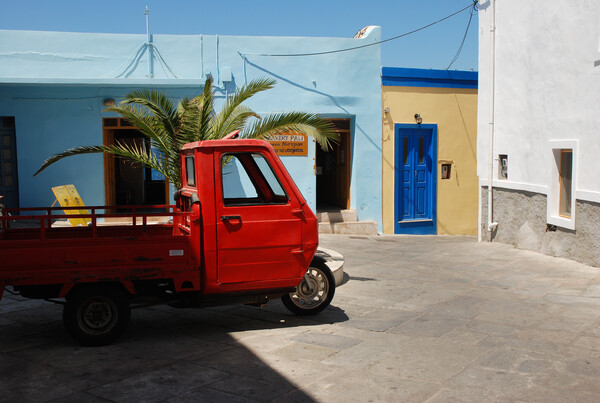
{"points": [[460, 48], [369, 44]]}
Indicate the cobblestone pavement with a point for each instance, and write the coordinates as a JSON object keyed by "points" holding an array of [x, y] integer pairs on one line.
{"points": [[418, 319]]}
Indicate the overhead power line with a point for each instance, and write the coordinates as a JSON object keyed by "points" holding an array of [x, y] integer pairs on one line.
{"points": [[473, 4], [460, 48]]}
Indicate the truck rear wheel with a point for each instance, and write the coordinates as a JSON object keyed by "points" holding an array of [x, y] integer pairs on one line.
{"points": [[314, 293], [95, 315]]}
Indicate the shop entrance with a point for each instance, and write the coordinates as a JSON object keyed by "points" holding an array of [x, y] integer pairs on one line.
{"points": [[126, 183], [333, 170]]}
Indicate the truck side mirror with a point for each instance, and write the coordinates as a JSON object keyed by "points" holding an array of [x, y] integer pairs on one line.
{"points": [[194, 198]]}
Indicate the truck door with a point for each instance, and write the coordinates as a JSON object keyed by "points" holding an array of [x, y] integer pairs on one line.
{"points": [[258, 221]]}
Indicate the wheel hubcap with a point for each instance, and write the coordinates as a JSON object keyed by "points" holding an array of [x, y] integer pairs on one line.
{"points": [[97, 315], [312, 291]]}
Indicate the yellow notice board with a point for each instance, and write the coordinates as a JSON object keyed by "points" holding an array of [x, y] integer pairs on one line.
{"points": [[67, 196], [289, 144]]}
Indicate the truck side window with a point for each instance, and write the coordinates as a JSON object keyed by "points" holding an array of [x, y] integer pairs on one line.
{"points": [[269, 175], [190, 172], [236, 182], [248, 179]]}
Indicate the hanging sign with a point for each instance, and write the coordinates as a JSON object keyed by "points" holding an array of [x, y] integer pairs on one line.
{"points": [[67, 196], [290, 144]]}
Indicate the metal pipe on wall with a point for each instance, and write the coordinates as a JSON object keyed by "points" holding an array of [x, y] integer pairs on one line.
{"points": [[491, 224]]}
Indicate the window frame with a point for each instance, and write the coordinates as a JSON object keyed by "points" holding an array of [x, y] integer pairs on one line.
{"points": [[266, 196], [555, 192], [565, 200], [191, 183]]}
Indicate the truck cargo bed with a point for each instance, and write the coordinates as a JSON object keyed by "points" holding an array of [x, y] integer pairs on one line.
{"points": [[117, 251]]}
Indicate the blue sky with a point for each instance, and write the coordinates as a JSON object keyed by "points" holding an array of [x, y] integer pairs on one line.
{"points": [[433, 47]]}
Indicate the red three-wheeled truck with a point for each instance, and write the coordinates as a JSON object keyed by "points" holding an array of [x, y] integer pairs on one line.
{"points": [[240, 232]]}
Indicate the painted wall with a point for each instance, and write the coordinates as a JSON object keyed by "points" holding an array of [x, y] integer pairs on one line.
{"points": [[438, 97], [546, 88], [547, 81], [54, 83]]}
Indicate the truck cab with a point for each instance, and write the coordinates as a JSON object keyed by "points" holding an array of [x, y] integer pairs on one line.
{"points": [[257, 229]]}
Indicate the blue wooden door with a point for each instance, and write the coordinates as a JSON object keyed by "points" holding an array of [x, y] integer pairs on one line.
{"points": [[9, 186], [415, 179]]}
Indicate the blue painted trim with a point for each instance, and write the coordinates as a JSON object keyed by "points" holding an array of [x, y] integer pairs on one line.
{"points": [[404, 77], [417, 227]]}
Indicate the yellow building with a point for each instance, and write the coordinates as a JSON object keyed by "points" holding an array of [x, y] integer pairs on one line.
{"points": [[429, 148]]}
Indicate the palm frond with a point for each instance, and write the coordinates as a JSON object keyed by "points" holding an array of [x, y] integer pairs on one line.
{"points": [[158, 103], [146, 123], [205, 105], [190, 116], [234, 102], [138, 154], [68, 153], [235, 121]]}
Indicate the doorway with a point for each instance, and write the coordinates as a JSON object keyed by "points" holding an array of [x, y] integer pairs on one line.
{"points": [[333, 170], [415, 179], [127, 184], [9, 184]]}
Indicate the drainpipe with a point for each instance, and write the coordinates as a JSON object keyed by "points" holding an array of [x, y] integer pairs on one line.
{"points": [[491, 225], [217, 56], [202, 56]]}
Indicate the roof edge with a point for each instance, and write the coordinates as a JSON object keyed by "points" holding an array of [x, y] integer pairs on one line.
{"points": [[408, 77]]}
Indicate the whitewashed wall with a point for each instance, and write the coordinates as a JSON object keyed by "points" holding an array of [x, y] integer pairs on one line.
{"points": [[547, 88]]}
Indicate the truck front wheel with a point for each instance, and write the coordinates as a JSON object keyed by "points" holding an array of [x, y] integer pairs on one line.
{"points": [[95, 315], [314, 293]]}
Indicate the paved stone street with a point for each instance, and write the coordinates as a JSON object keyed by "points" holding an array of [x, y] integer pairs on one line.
{"points": [[419, 319]]}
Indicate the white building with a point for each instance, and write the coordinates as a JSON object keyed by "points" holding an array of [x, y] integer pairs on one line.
{"points": [[545, 119]]}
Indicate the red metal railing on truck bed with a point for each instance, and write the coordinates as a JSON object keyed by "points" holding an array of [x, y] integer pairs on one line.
{"points": [[40, 226]]}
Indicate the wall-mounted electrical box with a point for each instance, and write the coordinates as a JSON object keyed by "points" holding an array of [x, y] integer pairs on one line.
{"points": [[502, 166], [446, 171]]}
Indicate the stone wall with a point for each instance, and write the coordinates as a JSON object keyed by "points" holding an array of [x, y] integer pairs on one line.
{"points": [[521, 218]]}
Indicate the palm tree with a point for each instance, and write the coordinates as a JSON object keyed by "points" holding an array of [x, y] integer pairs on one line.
{"points": [[168, 127]]}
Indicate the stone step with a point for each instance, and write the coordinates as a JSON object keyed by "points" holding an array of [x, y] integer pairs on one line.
{"points": [[365, 227], [335, 216]]}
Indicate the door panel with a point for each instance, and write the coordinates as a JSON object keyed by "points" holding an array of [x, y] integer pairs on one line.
{"points": [[415, 179], [258, 228]]}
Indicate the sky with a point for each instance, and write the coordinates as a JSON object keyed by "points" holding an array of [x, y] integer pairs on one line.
{"points": [[432, 48]]}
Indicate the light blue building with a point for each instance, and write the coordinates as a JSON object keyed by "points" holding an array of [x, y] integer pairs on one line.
{"points": [[54, 87]]}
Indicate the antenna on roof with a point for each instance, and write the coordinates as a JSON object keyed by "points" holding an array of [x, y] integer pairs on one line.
{"points": [[147, 14], [149, 44]]}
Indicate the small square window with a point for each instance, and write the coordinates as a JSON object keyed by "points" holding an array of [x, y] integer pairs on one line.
{"points": [[190, 172]]}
